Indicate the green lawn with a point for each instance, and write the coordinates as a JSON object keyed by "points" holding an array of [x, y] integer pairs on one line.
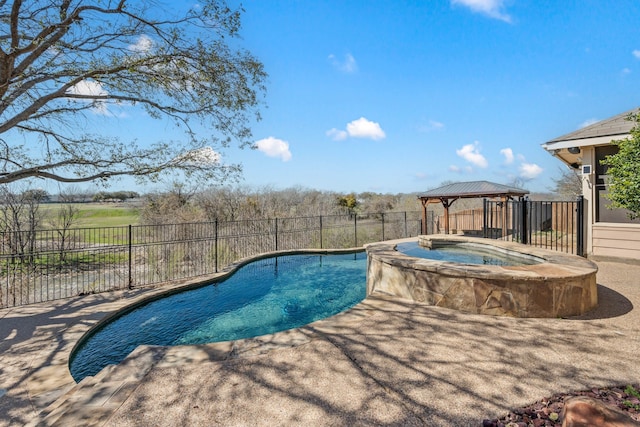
{"points": [[100, 214]]}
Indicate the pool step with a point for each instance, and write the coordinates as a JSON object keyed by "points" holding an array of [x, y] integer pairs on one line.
{"points": [[93, 400]]}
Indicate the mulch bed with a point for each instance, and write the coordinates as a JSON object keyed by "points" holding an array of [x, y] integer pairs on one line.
{"points": [[546, 412]]}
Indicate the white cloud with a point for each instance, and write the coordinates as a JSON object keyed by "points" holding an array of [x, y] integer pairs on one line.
{"points": [[458, 169], [435, 124], [200, 157], [143, 44], [431, 126], [274, 147], [636, 53], [588, 122], [625, 71], [363, 128], [87, 88], [348, 65], [421, 176], [337, 134], [91, 89], [508, 155], [471, 153], [530, 170], [490, 8], [360, 128]]}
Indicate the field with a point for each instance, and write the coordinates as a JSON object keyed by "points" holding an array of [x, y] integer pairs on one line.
{"points": [[100, 214]]}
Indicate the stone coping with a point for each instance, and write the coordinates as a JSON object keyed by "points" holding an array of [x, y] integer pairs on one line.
{"points": [[555, 265]]}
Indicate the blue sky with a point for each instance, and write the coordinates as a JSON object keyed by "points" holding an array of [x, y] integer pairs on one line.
{"points": [[391, 96], [400, 96]]}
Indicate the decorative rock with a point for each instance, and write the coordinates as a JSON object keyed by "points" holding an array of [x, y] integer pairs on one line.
{"points": [[584, 411]]}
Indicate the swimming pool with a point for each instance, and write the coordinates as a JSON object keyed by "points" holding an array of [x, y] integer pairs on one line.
{"points": [[464, 253], [262, 297]]}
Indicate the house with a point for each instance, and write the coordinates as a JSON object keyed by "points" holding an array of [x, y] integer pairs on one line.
{"points": [[609, 232]]}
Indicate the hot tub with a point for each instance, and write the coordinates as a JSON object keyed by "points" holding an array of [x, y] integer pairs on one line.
{"points": [[557, 285]]}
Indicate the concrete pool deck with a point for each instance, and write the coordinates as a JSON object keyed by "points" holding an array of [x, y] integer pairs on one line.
{"points": [[388, 361]]}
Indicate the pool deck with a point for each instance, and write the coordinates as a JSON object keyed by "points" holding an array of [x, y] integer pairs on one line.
{"points": [[387, 362]]}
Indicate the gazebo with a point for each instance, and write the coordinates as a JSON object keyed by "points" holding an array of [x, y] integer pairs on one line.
{"points": [[465, 190]]}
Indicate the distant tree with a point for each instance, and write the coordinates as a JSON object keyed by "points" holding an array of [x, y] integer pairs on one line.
{"points": [[517, 182], [62, 221], [62, 62], [623, 170], [348, 201], [171, 206], [75, 194], [376, 203], [20, 217], [37, 195], [100, 196], [568, 184]]}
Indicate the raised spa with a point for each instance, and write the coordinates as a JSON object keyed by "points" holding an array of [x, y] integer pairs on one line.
{"points": [[545, 284]]}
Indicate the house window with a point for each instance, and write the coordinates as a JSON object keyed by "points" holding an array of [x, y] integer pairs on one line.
{"points": [[603, 212]]}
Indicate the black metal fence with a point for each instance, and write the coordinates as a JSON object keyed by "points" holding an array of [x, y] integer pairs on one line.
{"points": [[47, 265], [556, 225]]}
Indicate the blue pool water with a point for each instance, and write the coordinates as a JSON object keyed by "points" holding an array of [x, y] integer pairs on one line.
{"points": [[464, 255], [263, 297]]}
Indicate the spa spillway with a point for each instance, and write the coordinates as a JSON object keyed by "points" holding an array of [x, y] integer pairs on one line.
{"points": [[547, 284]]}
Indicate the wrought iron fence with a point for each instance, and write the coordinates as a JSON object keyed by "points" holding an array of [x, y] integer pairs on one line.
{"points": [[556, 225], [53, 264]]}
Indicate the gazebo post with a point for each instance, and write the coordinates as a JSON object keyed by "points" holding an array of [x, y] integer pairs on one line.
{"points": [[425, 202], [445, 203]]}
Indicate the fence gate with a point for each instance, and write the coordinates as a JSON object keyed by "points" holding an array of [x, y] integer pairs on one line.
{"points": [[557, 225]]}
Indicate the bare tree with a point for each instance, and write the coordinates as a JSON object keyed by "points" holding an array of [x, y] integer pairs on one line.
{"points": [[62, 61], [20, 217], [61, 222], [569, 183]]}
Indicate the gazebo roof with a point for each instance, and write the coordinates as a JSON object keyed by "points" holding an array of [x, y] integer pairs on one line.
{"points": [[471, 189], [448, 194]]}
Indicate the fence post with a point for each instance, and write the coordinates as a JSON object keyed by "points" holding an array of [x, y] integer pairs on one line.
{"points": [[405, 224], [382, 226], [276, 229], [321, 232], [523, 220], [580, 226], [355, 228], [484, 218], [130, 257], [215, 243]]}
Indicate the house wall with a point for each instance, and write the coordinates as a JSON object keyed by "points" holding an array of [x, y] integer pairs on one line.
{"points": [[588, 192], [605, 239], [616, 240]]}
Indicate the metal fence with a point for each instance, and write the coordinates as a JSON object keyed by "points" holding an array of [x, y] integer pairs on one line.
{"points": [[555, 225], [47, 265]]}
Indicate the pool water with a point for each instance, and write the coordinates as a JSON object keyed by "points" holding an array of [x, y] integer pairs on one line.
{"points": [[464, 254], [262, 297]]}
